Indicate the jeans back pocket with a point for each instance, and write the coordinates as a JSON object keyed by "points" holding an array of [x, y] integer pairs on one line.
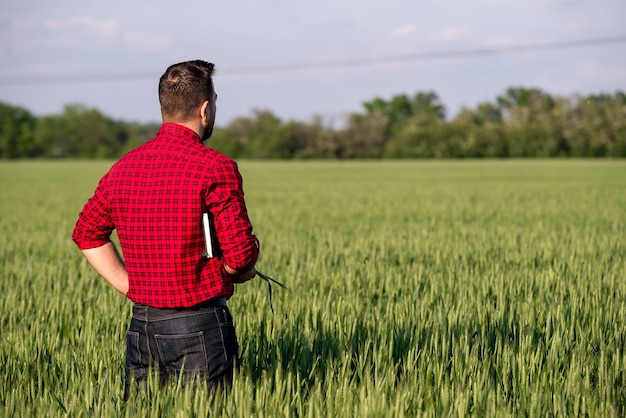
{"points": [[183, 352]]}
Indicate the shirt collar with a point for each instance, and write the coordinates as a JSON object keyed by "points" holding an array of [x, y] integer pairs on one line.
{"points": [[179, 131]]}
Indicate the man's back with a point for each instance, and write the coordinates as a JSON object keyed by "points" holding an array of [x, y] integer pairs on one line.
{"points": [[155, 196]]}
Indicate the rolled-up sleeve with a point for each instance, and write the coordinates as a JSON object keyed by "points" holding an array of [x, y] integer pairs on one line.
{"points": [[240, 248], [95, 225]]}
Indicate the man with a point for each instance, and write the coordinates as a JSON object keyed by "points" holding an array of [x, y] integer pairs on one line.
{"points": [[155, 197]]}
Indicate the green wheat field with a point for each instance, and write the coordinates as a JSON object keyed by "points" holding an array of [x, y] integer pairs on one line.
{"points": [[417, 288]]}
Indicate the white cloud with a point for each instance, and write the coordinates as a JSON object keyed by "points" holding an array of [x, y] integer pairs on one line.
{"points": [[81, 32], [593, 72], [14, 32], [445, 34], [143, 41], [402, 31], [585, 77], [574, 28], [453, 33], [78, 30], [501, 41]]}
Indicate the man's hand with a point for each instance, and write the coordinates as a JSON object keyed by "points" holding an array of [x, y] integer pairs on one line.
{"points": [[239, 277], [107, 262], [244, 277]]}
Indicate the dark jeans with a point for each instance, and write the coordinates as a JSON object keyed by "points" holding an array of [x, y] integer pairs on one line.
{"points": [[198, 342]]}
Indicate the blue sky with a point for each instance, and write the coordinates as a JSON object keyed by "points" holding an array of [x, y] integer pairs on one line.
{"points": [[114, 51]]}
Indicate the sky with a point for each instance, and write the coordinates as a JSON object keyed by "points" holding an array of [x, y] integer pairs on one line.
{"points": [[304, 59]]}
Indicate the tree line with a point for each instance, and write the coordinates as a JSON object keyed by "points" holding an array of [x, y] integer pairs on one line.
{"points": [[522, 122]]}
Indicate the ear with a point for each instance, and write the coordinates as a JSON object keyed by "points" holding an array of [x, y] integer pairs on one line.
{"points": [[204, 108]]}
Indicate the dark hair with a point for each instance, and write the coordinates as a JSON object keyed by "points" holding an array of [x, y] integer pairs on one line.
{"points": [[183, 87]]}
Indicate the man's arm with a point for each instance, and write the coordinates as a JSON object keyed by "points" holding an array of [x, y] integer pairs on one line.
{"points": [[240, 248], [107, 262]]}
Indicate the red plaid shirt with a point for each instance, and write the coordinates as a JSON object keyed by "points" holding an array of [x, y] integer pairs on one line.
{"points": [[154, 197]]}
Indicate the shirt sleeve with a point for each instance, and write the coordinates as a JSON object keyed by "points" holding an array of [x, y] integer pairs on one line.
{"points": [[240, 248], [95, 224]]}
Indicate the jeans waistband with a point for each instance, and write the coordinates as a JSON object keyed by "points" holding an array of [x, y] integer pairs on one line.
{"points": [[145, 312]]}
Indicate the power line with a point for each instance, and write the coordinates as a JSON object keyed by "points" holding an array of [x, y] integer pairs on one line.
{"points": [[432, 56], [318, 65]]}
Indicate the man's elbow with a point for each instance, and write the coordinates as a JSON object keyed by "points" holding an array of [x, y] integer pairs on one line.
{"points": [[88, 242], [243, 258]]}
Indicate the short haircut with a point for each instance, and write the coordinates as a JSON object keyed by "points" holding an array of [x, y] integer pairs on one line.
{"points": [[183, 87]]}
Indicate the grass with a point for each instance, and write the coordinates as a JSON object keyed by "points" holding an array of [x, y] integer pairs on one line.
{"points": [[430, 288]]}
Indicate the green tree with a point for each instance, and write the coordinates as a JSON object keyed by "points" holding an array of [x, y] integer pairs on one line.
{"points": [[401, 107], [478, 133], [261, 136], [16, 132], [227, 141], [365, 135], [90, 133], [522, 122], [601, 126], [487, 113], [428, 104], [50, 137], [79, 132], [519, 106], [418, 137], [529, 121], [132, 135], [315, 140]]}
